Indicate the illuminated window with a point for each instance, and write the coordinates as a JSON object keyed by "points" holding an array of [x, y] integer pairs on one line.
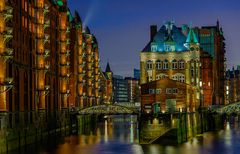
{"points": [[153, 47], [149, 64], [174, 64], [158, 65], [165, 64]]}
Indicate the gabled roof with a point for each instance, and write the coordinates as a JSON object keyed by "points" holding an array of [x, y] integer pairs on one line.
{"points": [[168, 33]]}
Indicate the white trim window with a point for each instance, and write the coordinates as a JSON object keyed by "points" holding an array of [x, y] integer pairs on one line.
{"points": [[182, 78], [149, 78], [154, 48], [175, 77], [149, 65], [165, 64], [158, 91], [174, 64], [181, 64], [158, 65], [168, 90], [174, 90]]}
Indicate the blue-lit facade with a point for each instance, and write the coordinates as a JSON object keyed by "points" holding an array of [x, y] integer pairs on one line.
{"points": [[120, 89]]}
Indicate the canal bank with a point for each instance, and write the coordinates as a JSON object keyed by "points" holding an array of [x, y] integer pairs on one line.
{"points": [[145, 129], [18, 133], [120, 135]]}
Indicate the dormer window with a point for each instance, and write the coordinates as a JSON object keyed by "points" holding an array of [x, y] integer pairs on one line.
{"points": [[154, 47]]}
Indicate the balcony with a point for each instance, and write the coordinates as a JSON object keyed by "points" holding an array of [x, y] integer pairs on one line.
{"points": [[68, 41], [6, 85], [7, 54], [68, 30], [46, 24], [43, 92], [46, 38], [46, 9], [8, 13], [46, 53], [68, 53], [47, 67], [7, 36]]}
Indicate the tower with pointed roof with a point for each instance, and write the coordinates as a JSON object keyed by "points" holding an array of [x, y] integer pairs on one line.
{"points": [[109, 84]]}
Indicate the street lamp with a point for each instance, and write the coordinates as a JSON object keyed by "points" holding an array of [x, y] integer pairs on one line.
{"points": [[42, 92], [6, 85]]}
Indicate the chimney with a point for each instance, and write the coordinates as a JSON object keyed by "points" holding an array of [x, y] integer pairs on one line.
{"points": [[153, 31]]}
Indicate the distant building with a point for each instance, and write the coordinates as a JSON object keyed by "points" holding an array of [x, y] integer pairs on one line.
{"points": [[136, 73], [133, 89], [233, 85], [120, 89], [211, 40], [109, 76], [176, 53]]}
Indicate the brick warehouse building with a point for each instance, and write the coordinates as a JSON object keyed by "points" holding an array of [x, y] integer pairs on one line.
{"points": [[187, 55], [48, 61]]}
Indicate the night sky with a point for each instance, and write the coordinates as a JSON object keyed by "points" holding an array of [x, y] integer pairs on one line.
{"points": [[122, 26]]}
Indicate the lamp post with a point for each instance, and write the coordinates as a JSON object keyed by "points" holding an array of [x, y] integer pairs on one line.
{"points": [[201, 105], [6, 85]]}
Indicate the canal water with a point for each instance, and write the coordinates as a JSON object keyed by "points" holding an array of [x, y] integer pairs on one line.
{"points": [[120, 135]]}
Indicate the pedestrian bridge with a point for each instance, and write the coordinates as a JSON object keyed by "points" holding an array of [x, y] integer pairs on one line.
{"points": [[230, 108], [106, 109]]}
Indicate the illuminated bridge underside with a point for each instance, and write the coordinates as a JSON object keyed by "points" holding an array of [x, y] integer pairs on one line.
{"points": [[106, 109], [231, 108]]}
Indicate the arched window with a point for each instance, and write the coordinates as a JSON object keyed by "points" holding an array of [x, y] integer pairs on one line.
{"points": [[161, 76], [149, 64], [158, 65], [165, 64], [181, 64], [175, 77], [179, 77], [174, 64]]}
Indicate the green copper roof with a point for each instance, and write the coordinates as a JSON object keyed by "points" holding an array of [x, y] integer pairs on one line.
{"points": [[191, 38], [70, 17], [58, 2]]}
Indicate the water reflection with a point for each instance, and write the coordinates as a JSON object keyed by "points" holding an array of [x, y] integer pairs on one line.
{"points": [[119, 135]]}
